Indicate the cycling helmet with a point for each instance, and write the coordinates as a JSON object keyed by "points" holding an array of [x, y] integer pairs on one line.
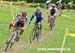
{"points": [[38, 8], [53, 5], [24, 13]]}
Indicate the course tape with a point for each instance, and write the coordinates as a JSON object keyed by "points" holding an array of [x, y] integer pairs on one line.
{"points": [[67, 16]]}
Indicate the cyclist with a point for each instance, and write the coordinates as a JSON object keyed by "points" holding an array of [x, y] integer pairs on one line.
{"points": [[39, 17], [62, 8], [20, 20], [47, 3], [59, 4], [52, 13]]}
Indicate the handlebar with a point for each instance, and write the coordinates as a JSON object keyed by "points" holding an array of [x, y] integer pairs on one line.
{"points": [[18, 28]]}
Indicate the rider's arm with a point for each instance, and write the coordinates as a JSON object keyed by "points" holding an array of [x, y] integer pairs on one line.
{"points": [[49, 11], [42, 16], [55, 12], [26, 20], [32, 17]]}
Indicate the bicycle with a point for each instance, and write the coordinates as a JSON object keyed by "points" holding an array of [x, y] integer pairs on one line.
{"points": [[35, 33], [14, 37], [52, 20]]}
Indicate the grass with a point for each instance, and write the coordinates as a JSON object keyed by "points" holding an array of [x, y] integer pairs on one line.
{"points": [[49, 39]]}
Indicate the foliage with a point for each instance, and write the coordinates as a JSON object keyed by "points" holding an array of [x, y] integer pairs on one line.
{"points": [[36, 4], [41, 1]]}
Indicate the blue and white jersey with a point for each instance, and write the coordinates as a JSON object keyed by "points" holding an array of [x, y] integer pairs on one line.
{"points": [[19, 18], [39, 17]]}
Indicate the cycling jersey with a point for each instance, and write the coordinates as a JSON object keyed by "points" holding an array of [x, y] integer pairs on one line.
{"points": [[20, 22], [39, 17], [20, 19], [63, 6], [52, 11]]}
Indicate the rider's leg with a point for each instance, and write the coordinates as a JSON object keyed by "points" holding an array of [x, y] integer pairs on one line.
{"points": [[48, 19], [51, 18], [40, 26], [62, 10], [55, 15], [21, 32], [52, 21], [22, 29]]}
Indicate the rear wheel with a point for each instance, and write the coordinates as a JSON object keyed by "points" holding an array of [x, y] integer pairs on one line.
{"points": [[51, 23]]}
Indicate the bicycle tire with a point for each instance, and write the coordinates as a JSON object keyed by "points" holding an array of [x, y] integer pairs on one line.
{"points": [[10, 41], [37, 35], [51, 23], [11, 45], [6, 47], [32, 36]]}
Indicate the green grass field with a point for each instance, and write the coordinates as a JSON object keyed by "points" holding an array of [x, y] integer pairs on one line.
{"points": [[49, 39]]}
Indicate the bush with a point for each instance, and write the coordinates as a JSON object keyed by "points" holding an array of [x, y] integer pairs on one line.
{"points": [[68, 6], [36, 4], [22, 3]]}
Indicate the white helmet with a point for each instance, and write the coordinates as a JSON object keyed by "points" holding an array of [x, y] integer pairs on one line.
{"points": [[38, 8], [53, 5]]}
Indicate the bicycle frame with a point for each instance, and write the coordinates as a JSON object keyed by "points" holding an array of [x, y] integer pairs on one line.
{"points": [[35, 33]]}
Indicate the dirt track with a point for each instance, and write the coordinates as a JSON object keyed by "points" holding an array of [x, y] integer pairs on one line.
{"points": [[21, 46]]}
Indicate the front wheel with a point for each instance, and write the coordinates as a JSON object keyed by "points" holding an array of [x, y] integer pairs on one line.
{"points": [[32, 35], [7, 47], [10, 41]]}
